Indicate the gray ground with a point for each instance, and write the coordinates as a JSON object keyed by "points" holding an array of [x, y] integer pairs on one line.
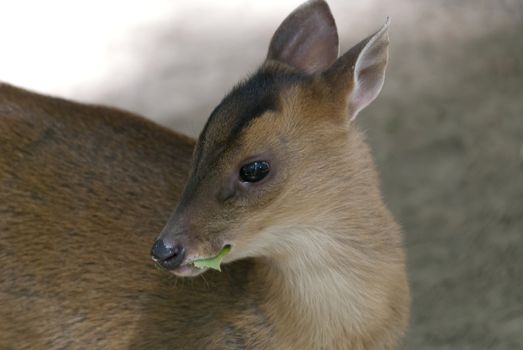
{"points": [[447, 134]]}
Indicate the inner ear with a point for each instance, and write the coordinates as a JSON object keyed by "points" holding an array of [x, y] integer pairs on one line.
{"points": [[360, 72], [307, 39]]}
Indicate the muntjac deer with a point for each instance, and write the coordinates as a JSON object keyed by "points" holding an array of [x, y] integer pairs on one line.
{"points": [[280, 173]]}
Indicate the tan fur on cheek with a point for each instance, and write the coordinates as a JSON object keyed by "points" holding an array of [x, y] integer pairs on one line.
{"points": [[332, 250]]}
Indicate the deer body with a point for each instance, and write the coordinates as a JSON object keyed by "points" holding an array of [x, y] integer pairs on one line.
{"points": [[316, 260]]}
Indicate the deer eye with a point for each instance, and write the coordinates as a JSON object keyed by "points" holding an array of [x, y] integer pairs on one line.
{"points": [[255, 171]]}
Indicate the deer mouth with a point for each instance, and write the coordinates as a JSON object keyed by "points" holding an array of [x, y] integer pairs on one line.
{"points": [[193, 266], [187, 270]]}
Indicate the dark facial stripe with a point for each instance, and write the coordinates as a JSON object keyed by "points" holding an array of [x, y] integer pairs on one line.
{"points": [[252, 99], [246, 102]]}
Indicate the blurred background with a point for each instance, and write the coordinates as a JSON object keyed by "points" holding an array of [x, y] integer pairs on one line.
{"points": [[447, 130]]}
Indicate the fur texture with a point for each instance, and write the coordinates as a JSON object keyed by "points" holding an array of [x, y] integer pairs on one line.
{"points": [[316, 262]]}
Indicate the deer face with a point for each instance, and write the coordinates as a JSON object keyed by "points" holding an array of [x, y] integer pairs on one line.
{"points": [[272, 152]]}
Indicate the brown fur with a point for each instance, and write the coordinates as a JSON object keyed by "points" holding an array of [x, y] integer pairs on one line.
{"points": [[316, 262]]}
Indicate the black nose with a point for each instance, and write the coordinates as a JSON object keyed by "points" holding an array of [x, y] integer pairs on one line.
{"points": [[169, 257]]}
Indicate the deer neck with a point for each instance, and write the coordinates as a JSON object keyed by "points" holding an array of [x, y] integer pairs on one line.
{"points": [[332, 282]]}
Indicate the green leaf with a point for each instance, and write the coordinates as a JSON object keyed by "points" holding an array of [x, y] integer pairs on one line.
{"points": [[212, 263]]}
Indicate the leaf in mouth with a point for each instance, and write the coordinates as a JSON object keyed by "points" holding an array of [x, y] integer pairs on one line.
{"points": [[212, 263]]}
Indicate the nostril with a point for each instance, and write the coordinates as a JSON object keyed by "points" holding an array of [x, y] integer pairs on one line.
{"points": [[177, 250], [160, 251], [167, 256]]}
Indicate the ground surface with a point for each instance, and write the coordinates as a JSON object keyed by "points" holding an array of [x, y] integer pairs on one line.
{"points": [[447, 134]]}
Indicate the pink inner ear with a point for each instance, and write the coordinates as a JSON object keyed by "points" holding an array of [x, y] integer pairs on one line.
{"points": [[369, 71], [307, 39], [367, 86]]}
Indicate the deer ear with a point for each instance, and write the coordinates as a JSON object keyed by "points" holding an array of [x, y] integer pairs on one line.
{"points": [[360, 72], [307, 39]]}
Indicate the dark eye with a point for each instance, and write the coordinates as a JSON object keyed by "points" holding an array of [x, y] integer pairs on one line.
{"points": [[255, 171]]}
